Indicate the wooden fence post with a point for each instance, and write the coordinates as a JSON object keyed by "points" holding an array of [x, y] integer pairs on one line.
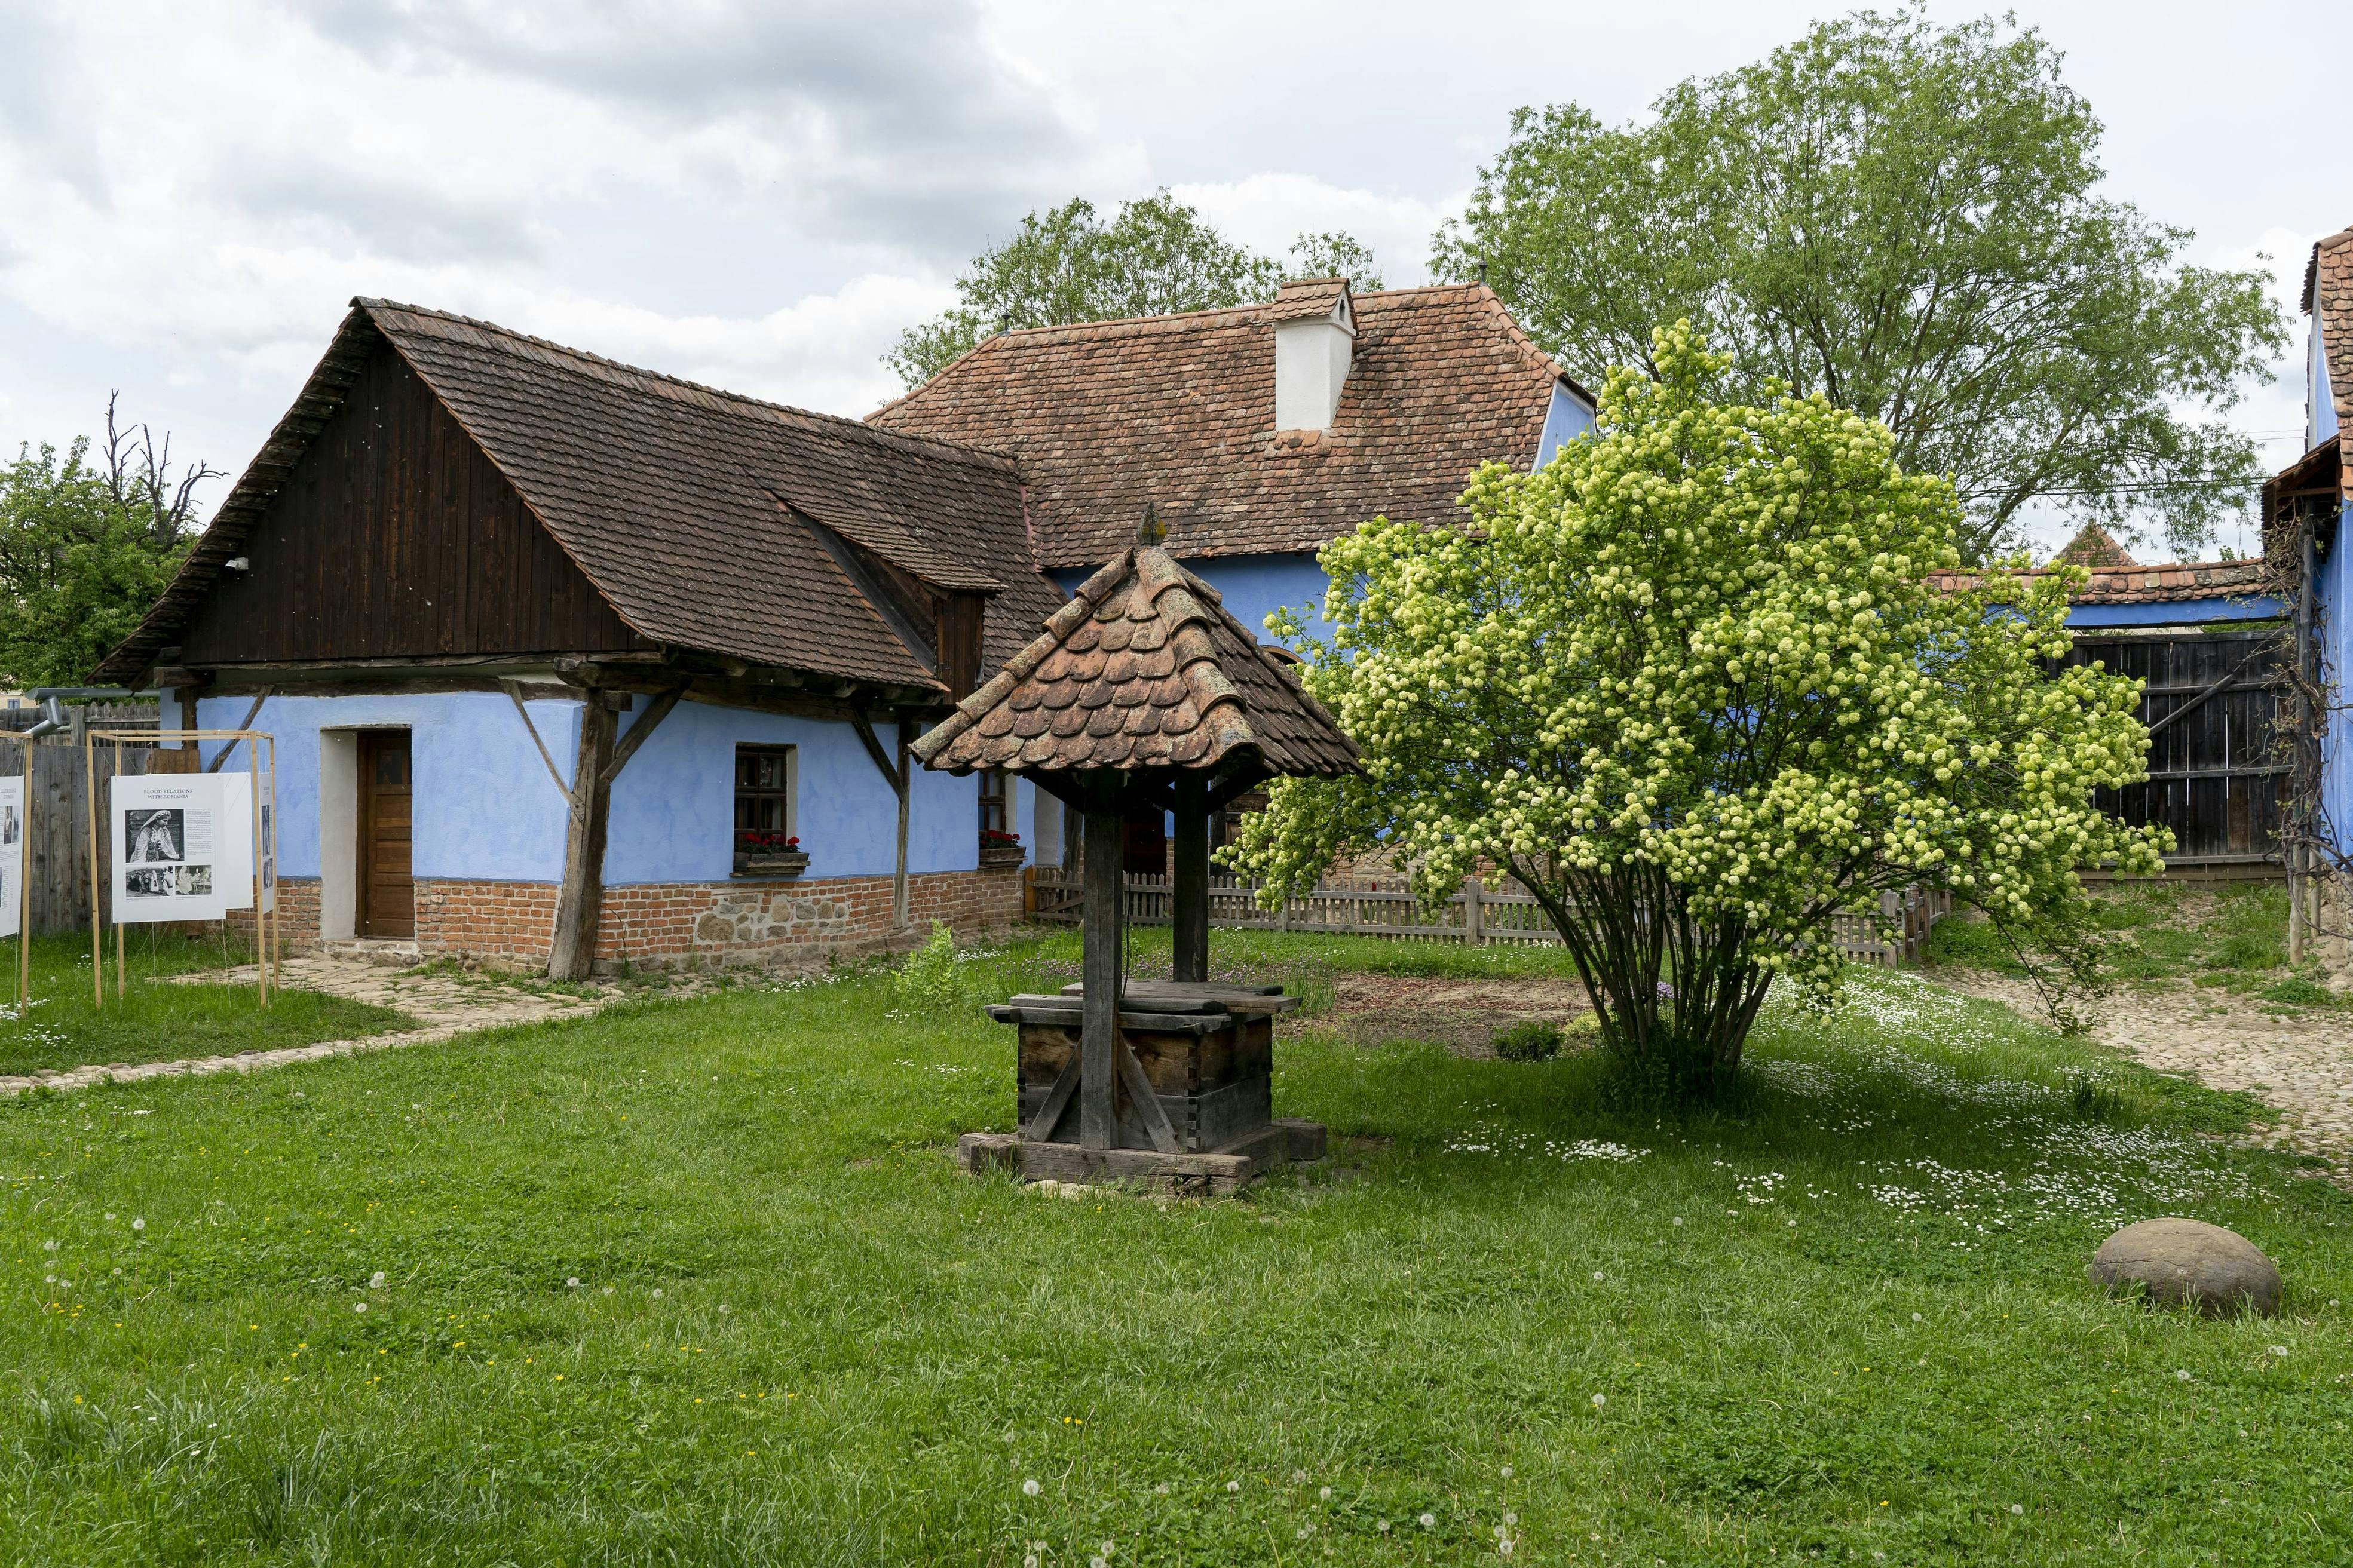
{"points": [[1475, 926]]}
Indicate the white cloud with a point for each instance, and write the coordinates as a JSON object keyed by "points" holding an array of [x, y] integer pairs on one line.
{"points": [[1268, 211]]}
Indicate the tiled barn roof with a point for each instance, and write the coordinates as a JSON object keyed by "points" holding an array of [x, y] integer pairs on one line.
{"points": [[694, 512], [2145, 585], [1178, 412], [1142, 668], [2329, 295]]}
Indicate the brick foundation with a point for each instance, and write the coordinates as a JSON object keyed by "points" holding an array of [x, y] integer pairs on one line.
{"points": [[664, 924], [298, 915]]}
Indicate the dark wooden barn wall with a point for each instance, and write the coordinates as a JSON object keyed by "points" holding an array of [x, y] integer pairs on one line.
{"points": [[2214, 776], [396, 537]]}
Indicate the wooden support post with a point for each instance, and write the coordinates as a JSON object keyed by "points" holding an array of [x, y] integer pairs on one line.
{"points": [[1100, 973], [1189, 884], [1474, 912], [573, 951], [903, 787]]}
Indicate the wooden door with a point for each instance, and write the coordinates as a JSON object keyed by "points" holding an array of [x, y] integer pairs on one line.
{"points": [[387, 900]]}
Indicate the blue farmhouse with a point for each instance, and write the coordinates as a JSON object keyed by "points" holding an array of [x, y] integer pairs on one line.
{"points": [[571, 662]]}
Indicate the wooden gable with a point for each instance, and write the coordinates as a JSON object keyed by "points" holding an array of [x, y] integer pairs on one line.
{"points": [[394, 536]]}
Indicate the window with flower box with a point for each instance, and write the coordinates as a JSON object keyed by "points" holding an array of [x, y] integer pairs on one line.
{"points": [[998, 842], [765, 845]]}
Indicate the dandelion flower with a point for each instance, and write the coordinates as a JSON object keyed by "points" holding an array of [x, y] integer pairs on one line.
{"points": [[1599, 1402], [2279, 1350], [1512, 1519], [1029, 1487], [1430, 1521], [2018, 1507], [1504, 1547], [376, 1281], [1233, 1486], [139, 1224], [1383, 1526], [1325, 1494], [1161, 1490], [572, 1283], [359, 1306], [657, 1293], [1916, 1317], [50, 1245], [1029, 1562], [1507, 1473], [1678, 1220], [2183, 1373], [1298, 1477], [1597, 1275]]}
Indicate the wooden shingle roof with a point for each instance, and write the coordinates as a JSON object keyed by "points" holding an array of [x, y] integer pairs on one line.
{"points": [[2329, 295], [699, 515], [2145, 584], [1178, 411], [1143, 668]]}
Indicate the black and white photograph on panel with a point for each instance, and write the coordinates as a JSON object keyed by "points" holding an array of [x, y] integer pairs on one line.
{"points": [[156, 836]]}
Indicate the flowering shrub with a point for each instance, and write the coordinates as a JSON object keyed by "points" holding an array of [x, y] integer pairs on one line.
{"points": [[1690, 686]]}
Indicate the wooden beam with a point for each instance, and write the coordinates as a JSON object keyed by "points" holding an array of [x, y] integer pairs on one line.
{"points": [[189, 722], [648, 722], [513, 689], [881, 758], [581, 900], [1100, 971], [901, 785], [1190, 885]]}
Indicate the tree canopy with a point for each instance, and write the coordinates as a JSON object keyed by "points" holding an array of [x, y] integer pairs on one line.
{"points": [[87, 549], [1904, 219], [1691, 685], [1154, 257]]}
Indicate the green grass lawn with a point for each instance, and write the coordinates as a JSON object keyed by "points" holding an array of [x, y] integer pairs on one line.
{"points": [[159, 1019], [697, 1283], [2232, 937]]}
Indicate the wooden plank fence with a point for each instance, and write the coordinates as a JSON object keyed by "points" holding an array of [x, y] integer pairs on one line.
{"points": [[1482, 914], [57, 860]]}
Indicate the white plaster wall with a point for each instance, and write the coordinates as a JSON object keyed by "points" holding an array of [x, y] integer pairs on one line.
{"points": [[1311, 364]]}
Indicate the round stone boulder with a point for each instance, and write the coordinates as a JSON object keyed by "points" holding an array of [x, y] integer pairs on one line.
{"points": [[2188, 1262]]}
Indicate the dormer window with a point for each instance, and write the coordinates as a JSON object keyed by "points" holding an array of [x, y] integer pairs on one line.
{"points": [[1314, 344]]}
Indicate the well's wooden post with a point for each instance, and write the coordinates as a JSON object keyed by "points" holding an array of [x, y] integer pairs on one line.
{"points": [[1101, 973], [581, 899], [1189, 886]]}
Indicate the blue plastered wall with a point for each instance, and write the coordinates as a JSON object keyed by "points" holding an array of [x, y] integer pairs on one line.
{"points": [[2332, 601], [485, 808]]}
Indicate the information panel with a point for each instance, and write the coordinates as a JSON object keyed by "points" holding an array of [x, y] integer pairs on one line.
{"points": [[183, 845], [12, 853]]}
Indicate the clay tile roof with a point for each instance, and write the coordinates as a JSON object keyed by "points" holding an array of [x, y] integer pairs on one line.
{"points": [[694, 512], [1306, 299], [1142, 668], [1180, 411], [2096, 546], [2328, 294], [2145, 585]]}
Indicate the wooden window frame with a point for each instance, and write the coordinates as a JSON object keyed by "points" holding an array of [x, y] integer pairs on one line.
{"points": [[995, 809], [787, 795]]}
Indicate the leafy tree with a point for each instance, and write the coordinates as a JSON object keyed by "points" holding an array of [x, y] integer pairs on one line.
{"points": [[1154, 257], [1903, 219], [1691, 685], [1337, 254], [86, 549]]}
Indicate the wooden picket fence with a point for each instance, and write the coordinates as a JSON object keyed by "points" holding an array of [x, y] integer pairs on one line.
{"points": [[58, 849], [1482, 914]]}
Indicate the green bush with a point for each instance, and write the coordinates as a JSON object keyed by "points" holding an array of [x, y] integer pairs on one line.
{"points": [[1529, 1040], [931, 981], [2301, 992]]}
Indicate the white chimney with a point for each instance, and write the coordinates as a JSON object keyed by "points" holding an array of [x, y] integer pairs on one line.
{"points": [[1314, 340]]}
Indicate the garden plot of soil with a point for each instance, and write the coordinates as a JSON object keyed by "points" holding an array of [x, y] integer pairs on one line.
{"points": [[2299, 1064], [1463, 1015]]}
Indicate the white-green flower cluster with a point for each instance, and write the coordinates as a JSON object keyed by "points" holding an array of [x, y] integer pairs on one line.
{"points": [[1703, 641]]}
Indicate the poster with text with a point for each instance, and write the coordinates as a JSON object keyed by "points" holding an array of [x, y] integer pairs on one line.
{"points": [[12, 853], [182, 846]]}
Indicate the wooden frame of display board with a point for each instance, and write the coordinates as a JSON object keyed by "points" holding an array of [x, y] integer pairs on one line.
{"points": [[262, 797], [23, 866]]}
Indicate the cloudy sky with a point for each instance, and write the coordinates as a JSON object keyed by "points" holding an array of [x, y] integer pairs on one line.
{"points": [[762, 196]]}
